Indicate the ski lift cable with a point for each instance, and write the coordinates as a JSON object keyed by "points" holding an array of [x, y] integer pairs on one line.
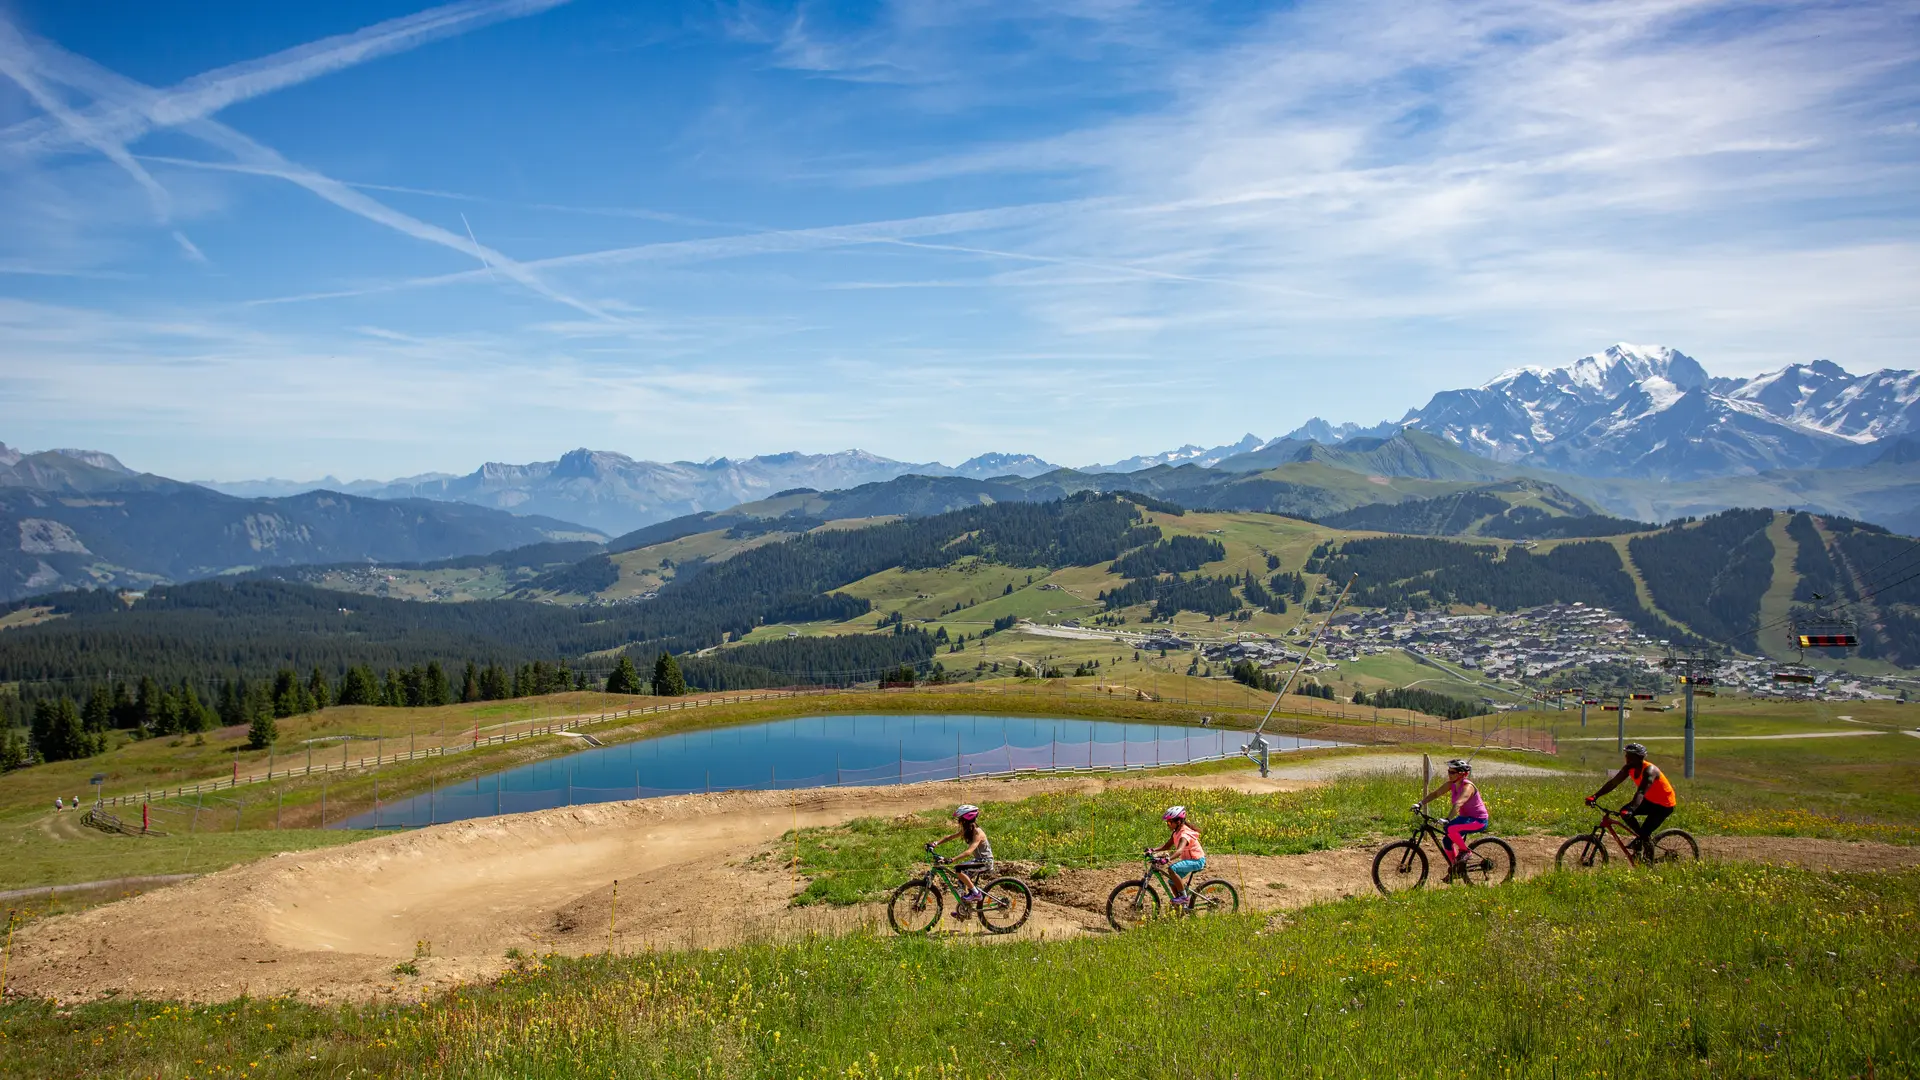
{"points": [[1306, 653]]}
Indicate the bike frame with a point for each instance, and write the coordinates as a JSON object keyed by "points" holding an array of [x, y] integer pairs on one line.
{"points": [[1611, 822], [946, 877], [1158, 869], [1429, 828]]}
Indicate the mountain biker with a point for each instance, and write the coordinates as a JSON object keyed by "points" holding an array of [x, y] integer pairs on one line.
{"points": [[1183, 849], [1469, 809], [1653, 796], [977, 858]]}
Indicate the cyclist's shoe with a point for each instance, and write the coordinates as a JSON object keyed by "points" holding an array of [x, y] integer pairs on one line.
{"points": [[973, 897], [1183, 901]]}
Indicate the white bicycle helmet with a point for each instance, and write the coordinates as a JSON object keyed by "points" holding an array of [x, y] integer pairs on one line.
{"points": [[966, 812], [1174, 813]]}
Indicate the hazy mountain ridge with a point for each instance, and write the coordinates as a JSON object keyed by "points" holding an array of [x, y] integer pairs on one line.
{"points": [[617, 493], [66, 522]]}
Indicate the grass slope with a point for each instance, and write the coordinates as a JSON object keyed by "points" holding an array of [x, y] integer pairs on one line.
{"points": [[1746, 971]]}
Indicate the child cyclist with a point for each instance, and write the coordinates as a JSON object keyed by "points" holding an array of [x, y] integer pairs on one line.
{"points": [[1183, 850], [1469, 809], [975, 859], [1653, 796]]}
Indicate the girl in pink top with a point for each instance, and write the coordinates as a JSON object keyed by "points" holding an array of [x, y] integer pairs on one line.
{"points": [[1469, 809], [1183, 850]]}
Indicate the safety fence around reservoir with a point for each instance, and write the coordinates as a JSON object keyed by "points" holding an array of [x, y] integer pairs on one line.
{"points": [[319, 764], [479, 798]]}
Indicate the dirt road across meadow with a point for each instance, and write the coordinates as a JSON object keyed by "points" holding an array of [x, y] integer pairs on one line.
{"points": [[331, 924]]}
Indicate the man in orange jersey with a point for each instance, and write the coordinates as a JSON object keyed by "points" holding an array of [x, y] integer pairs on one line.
{"points": [[1653, 796]]}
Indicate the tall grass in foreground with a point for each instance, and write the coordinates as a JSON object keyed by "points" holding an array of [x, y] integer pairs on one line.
{"points": [[862, 859], [1707, 970]]}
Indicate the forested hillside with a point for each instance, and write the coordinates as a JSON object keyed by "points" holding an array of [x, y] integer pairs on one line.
{"points": [[1408, 572], [1881, 572], [1711, 575], [209, 631], [1556, 515]]}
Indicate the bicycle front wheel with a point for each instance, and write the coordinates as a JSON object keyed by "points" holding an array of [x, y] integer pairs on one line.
{"points": [[1675, 845], [1400, 867], [1131, 904], [1490, 861], [1214, 897], [1581, 853], [1007, 905], [914, 908]]}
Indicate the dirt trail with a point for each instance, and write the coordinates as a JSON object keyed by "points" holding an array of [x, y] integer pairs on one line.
{"points": [[331, 924]]}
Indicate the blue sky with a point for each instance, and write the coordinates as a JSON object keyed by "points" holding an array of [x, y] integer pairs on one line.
{"points": [[373, 239]]}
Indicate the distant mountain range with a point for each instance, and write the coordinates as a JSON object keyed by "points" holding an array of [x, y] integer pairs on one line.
{"points": [[1636, 432], [75, 519], [616, 493]]}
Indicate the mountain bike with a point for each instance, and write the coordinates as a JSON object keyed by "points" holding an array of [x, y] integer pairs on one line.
{"points": [[1589, 852], [1134, 902], [1402, 865], [915, 907]]}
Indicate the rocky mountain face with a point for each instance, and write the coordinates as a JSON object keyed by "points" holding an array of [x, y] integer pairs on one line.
{"points": [[1654, 413]]}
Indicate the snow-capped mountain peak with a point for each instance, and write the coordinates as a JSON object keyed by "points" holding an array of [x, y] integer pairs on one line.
{"points": [[1651, 410], [1605, 375], [1190, 454]]}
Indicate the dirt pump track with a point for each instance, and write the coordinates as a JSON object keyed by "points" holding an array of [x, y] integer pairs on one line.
{"points": [[694, 871]]}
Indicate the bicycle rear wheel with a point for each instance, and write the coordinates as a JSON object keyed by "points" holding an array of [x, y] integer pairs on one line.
{"points": [[1490, 861], [1214, 897], [1400, 867], [1007, 905], [1131, 904], [1581, 853], [1675, 845], [914, 908]]}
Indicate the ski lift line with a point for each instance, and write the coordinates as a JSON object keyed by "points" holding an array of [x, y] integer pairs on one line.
{"points": [[1306, 653], [1898, 555], [1890, 585]]}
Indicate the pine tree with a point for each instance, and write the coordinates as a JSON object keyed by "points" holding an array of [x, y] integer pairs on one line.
{"points": [[124, 713], [13, 750], [263, 732], [233, 703], [58, 733], [98, 715], [433, 688], [192, 715], [318, 690], [359, 687], [667, 680], [258, 702], [166, 714], [493, 684], [625, 678], [286, 694], [470, 683], [146, 705]]}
